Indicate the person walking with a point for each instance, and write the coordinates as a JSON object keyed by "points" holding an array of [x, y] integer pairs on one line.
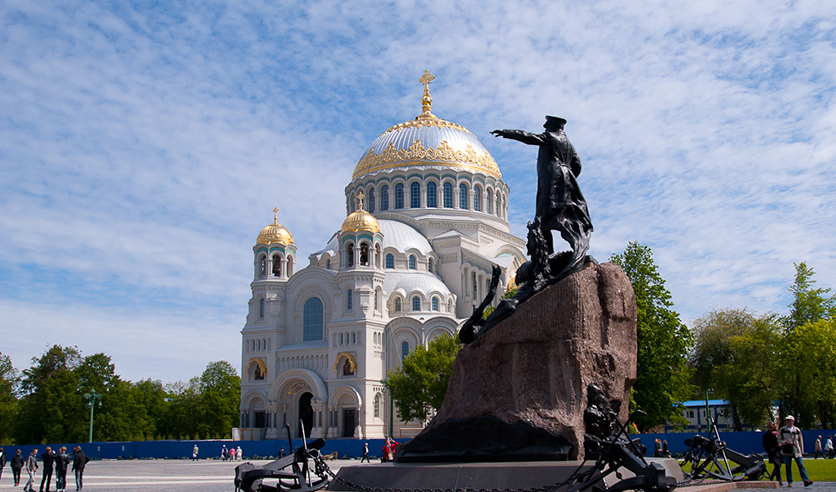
{"points": [[818, 449], [240, 455], [792, 448], [79, 462], [828, 447], [31, 468], [195, 450], [773, 451], [224, 453], [2, 462], [17, 464], [365, 453], [62, 462], [48, 459]]}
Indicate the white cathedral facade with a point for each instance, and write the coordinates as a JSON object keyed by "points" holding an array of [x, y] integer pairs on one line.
{"points": [[426, 220]]}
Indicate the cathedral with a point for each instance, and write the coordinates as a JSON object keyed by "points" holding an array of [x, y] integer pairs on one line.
{"points": [[426, 220]]}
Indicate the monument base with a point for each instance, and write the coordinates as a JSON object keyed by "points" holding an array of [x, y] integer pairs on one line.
{"points": [[456, 476]]}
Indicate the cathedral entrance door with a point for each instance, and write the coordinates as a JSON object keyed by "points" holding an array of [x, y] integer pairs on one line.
{"points": [[305, 414], [349, 422]]}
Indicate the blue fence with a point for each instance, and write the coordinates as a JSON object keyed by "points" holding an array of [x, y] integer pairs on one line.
{"points": [[345, 448], [744, 442]]}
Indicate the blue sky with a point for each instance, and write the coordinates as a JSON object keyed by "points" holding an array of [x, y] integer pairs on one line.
{"points": [[143, 146]]}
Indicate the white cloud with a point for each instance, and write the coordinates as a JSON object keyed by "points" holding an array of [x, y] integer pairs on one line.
{"points": [[142, 148]]}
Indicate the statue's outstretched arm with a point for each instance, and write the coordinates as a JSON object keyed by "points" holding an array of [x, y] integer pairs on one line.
{"points": [[521, 136]]}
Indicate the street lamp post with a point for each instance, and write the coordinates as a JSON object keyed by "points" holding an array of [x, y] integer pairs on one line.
{"points": [[90, 399]]}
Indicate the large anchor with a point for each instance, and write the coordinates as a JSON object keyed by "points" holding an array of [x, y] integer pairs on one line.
{"points": [[709, 457], [616, 451], [291, 473]]}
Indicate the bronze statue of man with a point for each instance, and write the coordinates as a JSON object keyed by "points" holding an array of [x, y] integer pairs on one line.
{"points": [[560, 203]]}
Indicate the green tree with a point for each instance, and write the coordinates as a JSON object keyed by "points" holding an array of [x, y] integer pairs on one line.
{"points": [[220, 396], [50, 409], [809, 306], [810, 350], [420, 384], [663, 377], [8, 397], [735, 355]]}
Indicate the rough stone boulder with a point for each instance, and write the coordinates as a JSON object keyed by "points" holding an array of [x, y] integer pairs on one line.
{"points": [[518, 392]]}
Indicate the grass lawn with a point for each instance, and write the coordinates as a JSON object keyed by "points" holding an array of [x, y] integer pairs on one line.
{"points": [[818, 470]]}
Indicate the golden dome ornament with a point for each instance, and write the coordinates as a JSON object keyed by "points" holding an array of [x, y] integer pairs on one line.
{"points": [[360, 221], [275, 233]]}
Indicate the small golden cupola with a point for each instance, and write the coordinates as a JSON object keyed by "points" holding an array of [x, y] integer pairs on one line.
{"points": [[275, 233], [360, 221]]}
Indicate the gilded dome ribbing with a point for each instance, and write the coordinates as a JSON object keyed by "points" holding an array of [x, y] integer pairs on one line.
{"points": [[275, 232], [426, 141]]}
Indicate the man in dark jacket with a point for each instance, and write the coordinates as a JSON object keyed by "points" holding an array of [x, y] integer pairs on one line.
{"points": [[2, 461], [48, 459], [17, 465], [79, 462]]}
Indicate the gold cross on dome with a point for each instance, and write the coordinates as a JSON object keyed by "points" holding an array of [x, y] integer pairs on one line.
{"points": [[426, 100], [426, 79], [360, 197], [275, 215]]}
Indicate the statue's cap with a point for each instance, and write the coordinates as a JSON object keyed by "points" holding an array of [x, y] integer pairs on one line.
{"points": [[555, 119]]}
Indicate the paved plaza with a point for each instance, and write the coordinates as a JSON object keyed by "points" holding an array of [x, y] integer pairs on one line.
{"points": [[154, 475], [201, 476]]}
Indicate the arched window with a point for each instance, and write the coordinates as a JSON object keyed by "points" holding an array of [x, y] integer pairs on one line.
{"points": [[349, 253], [261, 308], [490, 202], [449, 306], [262, 266], [348, 299], [399, 196], [277, 266], [477, 198], [404, 350], [390, 261], [312, 320], [371, 200], [364, 254], [463, 196], [377, 255], [430, 265], [414, 195], [376, 300], [473, 282], [416, 303], [384, 198], [448, 195], [412, 262], [328, 263], [435, 303], [377, 406], [432, 194], [398, 304]]}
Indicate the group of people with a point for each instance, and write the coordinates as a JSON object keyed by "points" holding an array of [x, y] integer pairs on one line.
{"points": [[783, 446], [828, 452], [231, 454], [661, 450], [53, 462]]}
